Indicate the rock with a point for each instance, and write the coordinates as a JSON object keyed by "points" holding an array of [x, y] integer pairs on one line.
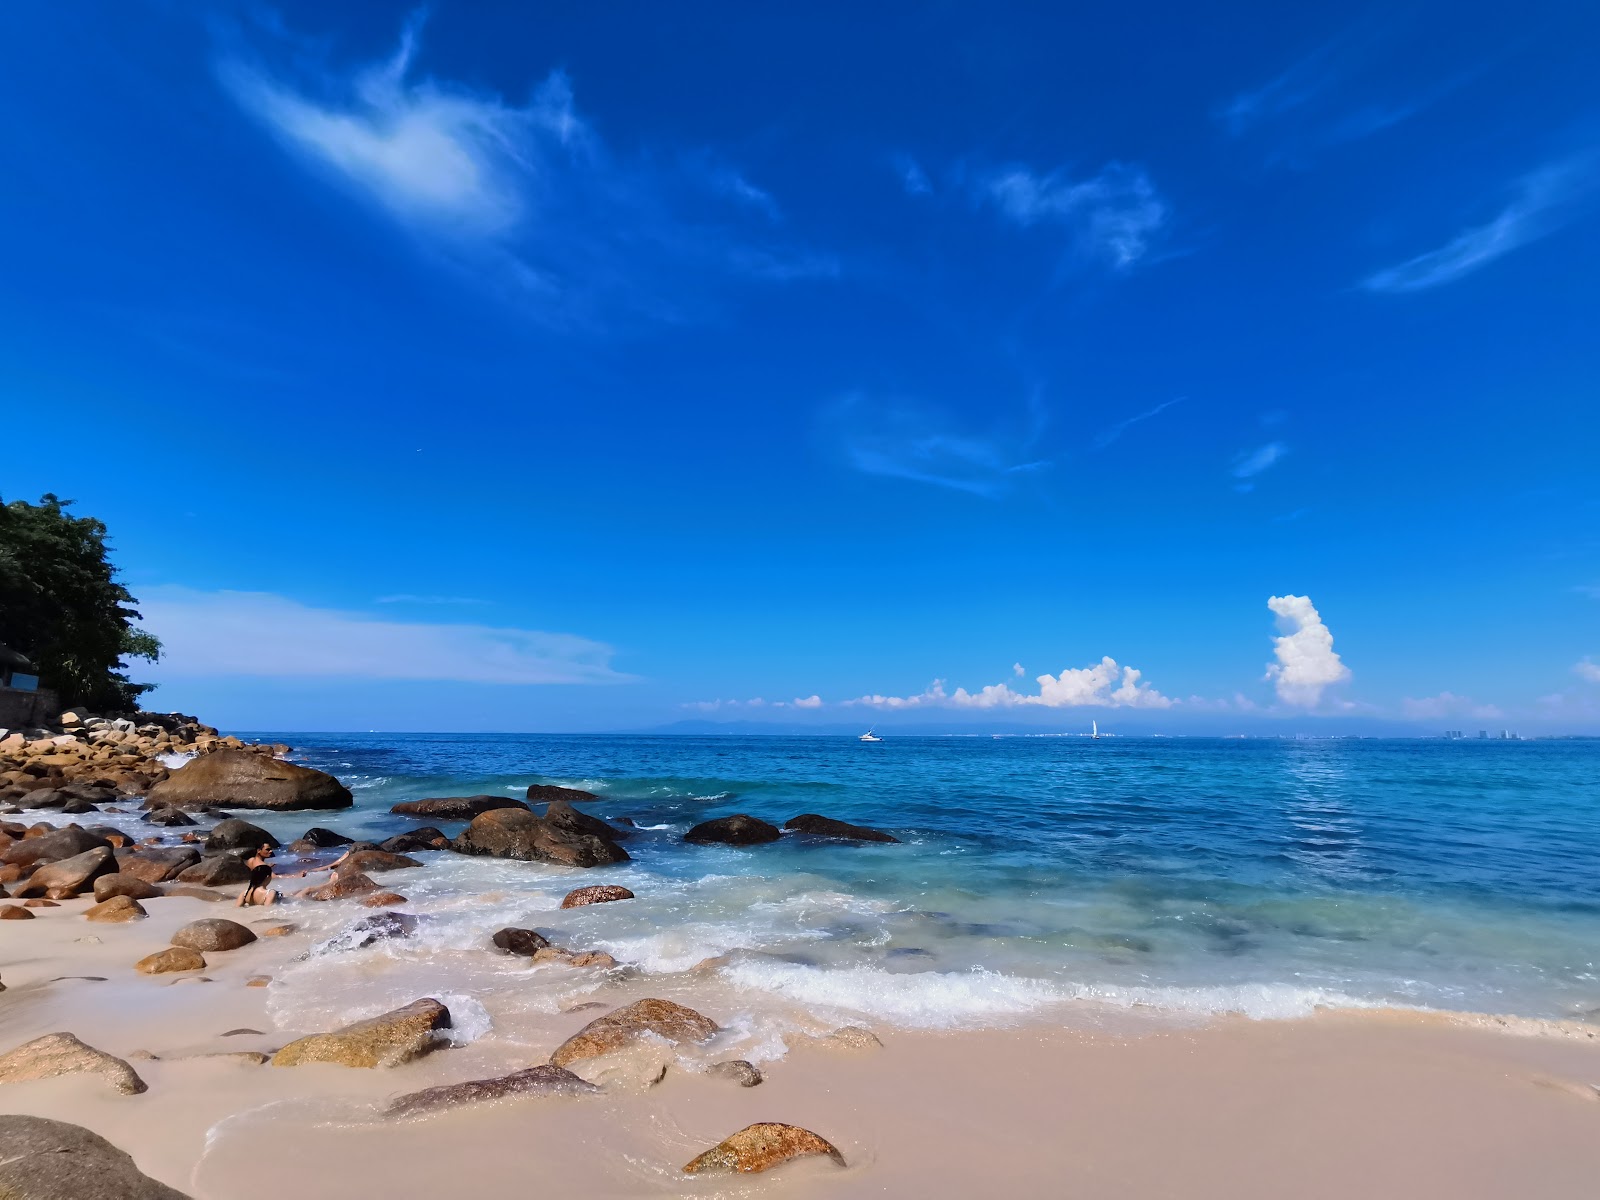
{"points": [[383, 900], [525, 942], [168, 817], [40, 904], [342, 886], [173, 958], [234, 834], [212, 934], [602, 893], [543, 793], [381, 927], [131, 886], [244, 779], [258, 981], [53, 846], [455, 808], [63, 1054], [585, 1006], [761, 1147], [157, 864], [196, 893], [378, 860], [386, 1041], [71, 875], [277, 928], [820, 826], [41, 1159], [744, 1073], [317, 838], [624, 1026], [737, 830], [543, 1080], [426, 838], [562, 815], [117, 909], [519, 834], [216, 870], [851, 1037], [14, 912], [574, 958]]}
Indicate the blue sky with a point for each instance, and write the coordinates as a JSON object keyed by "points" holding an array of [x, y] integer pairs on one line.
{"points": [[518, 366]]}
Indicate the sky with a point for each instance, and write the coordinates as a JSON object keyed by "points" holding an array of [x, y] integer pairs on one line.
{"points": [[516, 366]]}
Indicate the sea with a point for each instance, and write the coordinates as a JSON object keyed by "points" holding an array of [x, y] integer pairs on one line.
{"points": [[1036, 878]]}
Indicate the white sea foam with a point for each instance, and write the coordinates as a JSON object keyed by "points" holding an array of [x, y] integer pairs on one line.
{"points": [[173, 761], [469, 1020]]}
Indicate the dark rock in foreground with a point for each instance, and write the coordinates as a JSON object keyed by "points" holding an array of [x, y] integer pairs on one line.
{"points": [[540, 793], [737, 830], [518, 833], [455, 808], [426, 838], [213, 934], [42, 1159], [562, 815], [234, 834], [543, 1080], [525, 942], [820, 826], [240, 778]]}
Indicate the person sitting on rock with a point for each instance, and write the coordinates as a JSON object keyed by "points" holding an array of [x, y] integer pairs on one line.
{"points": [[333, 866], [259, 889]]}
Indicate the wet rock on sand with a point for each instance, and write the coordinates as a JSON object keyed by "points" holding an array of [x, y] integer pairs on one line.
{"points": [[172, 959], [625, 1026], [820, 826], [761, 1147], [14, 912], [119, 884], [386, 1041], [159, 864], [740, 1071], [244, 779], [455, 808], [543, 1080], [71, 875], [216, 870], [213, 934], [63, 1054], [116, 909], [519, 834], [342, 886], [525, 942], [378, 861], [574, 958], [737, 830], [599, 894], [41, 1159], [51, 846]]}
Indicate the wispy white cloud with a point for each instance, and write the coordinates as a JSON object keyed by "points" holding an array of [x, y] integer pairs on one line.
{"points": [[1302, 82], [1587, 670], [912, 177], [1307, 663], [1253, 462], [262, 634], [1103, 684], [1541, 203], [1113, 215], [1447, 704], [1107, 436], [525, 197]]}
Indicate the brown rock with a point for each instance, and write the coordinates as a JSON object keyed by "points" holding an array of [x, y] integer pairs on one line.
{"points": [[63, 1054], [117, 909], [378, 860], [525, 942], [243, 779], [455, 808], [519, 834], [195, 893], [41, 1159], [258, 981], [119, 884], [574, 958], [173, 958], [168, 817], [36, 903], [52, 845], [157, 865], [737, 830], [14, 912], [342, 886], [386, 1041], [820, 826], [543, 793], [761, 1147], [563, 816], [213, 934], [624, 1026], [383, 900], [543, 1080], [599, 894], [278, 929], [216, 870], [235, 834], [426, 838], [744, 1073]]}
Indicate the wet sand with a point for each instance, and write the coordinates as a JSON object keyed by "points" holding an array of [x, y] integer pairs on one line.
{"points": [[1377, 1104]]}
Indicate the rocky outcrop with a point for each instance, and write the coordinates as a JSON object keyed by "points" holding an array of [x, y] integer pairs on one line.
{"points": [[67, 842], [625, 1026], [543, 1080], [63, 1054], [170, 960], [737, 830], [216, 870], [131, 886], [519, 834], [244, 779], [454, 808], [820, 826], [426, 838], [159, 864], [543, 793], [737, 1070], [213, 934], [116, 910], [378, 861], [395, 1037], [761, 1147], [603, 893], [41, 1159], [69, 876], [235, 834]]}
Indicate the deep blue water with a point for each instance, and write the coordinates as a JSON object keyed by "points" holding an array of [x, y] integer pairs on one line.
{"points": [[1258, 875]]}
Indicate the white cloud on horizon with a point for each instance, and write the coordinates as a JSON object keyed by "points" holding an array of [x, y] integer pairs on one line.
{"points": [[1113, 215], [1103, 684], [1307, 663], [1587, 670], [258, 634], [1448, 704]]}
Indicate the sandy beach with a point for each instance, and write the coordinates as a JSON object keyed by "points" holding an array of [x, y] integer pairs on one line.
{"points": [[1127, 1104]]}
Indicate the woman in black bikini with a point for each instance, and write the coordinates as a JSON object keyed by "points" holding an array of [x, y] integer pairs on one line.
{"points": [[259, 890]]}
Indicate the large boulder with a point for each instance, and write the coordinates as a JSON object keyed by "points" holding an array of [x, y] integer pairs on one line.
{"points": [[562, 815], [543, 1080], [601, 893], [317, 838], [116, 910], [41, 1159], [66, 842], [395, 1037], [426, 838], [542, 793], [737, 830], [131, 886], [244, 779], [761, 1147], [625, 1026], [69, 876], [820, 826], [454, 808], [63, 1054], [211, 934], [216, 870], [234, 834], [159, 864], [518, 833]]}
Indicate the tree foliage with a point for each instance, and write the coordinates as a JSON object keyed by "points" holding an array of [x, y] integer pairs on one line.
{"points": [[61, 605]]}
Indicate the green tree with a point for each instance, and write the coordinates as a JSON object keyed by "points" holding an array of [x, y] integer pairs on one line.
{"points": [[61, 605]]}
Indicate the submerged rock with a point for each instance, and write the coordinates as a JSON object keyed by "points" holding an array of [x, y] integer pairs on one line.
{"points": [[63, 1054], [455, 808], [524, 942], [169, 817], [737, 830], [378, 860], [761, 1147], [395, 1037], [820, 826], [173, 958], [241, 778], [543, 1080], [381, 927], [342, 886], [519, 834], [602, 893], [426, 838], [739, 1070], [213, 934], [41, 1159], [117, 909], [625, 1026], [543, 793], [383, 900]]}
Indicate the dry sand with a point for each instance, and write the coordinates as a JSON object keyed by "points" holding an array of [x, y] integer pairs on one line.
{"points": [[1343, 1104]]}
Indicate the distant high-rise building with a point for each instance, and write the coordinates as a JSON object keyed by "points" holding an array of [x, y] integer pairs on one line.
{"points": [[1482, 733]]}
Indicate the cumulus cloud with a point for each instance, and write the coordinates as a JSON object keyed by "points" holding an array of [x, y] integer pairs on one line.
{"points": [[1018, 670], [811, 701], [1103, 684], [261, 634], [1113, 215], [1588, 670], [1307, 663], [1447, 704]]}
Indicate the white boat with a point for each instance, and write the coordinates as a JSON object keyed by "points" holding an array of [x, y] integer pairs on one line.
{"points": [[1095, 730], [869, 736]]}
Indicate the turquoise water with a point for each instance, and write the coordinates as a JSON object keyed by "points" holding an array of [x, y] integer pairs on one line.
{"points": [[1260, 876]]}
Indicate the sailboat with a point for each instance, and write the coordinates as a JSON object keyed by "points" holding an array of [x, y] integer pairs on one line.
{"points": [[1094, 727], [869, 736]]}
